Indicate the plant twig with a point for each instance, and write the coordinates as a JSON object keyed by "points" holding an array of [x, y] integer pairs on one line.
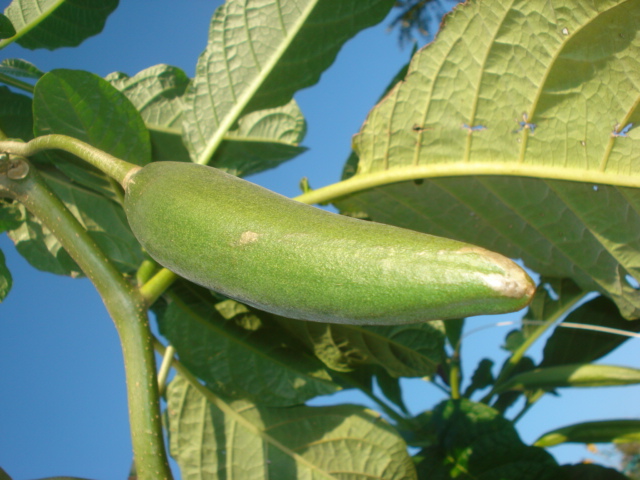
{"points": [[20, 181], [114, 167]]}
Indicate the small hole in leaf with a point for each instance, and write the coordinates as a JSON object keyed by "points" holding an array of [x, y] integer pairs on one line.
{"points": [[633, 283], [552, 293]]}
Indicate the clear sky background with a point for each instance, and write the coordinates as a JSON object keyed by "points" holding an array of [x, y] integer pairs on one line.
{"points": [[63, 401]]}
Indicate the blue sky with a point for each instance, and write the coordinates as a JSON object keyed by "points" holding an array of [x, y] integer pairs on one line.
{"points": [[63, 407]]}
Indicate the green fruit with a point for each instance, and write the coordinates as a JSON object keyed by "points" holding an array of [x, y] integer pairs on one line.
{"points": [[301, 262]]}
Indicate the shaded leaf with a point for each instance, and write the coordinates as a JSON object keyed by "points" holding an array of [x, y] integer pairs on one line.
{"points": [[6, 27], [6, 280], [238, 352], [603, 431], [459, 112], [554, 297], [507, 399], [259, 60], [413, 350], [453, 329], [391, 388], [482, 377], [16, 67], [11, 215], [477, 443], [584, 471], [569, 345], [103, 219], [242, 440], [573, 375], [16, 118], [84, 106], [53, 24]]}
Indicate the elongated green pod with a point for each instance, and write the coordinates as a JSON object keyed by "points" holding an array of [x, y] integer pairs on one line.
{"points": [[573, 375], [603, 431], [301, 262]]}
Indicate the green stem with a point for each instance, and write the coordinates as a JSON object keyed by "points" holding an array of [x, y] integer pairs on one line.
{"points": [[454, 376], [366, 181], [513, 361], [14, 82], [20, 181], [163, 373], [157, 285], [108, 164]]}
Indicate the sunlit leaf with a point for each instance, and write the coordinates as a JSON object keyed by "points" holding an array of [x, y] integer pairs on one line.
{"points": [[239, 439], [525, 89], [258, 57]]}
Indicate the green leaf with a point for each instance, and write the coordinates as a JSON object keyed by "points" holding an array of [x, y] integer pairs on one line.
{"points": [[261, 140], [157, 92], [222, 440], [11, 215], [84, 106], [4, 475], [459, 114], [53, 24], [454, 329], [584, 471], [5, 278], [16, 119], [238, 352], [573, 375], [603, 431], [476, 442], [554, 297], [570, 345], [103, 219], [6, 27], [259, 60], [482, 377], [16, 67], [413, 350], [391, 388]]}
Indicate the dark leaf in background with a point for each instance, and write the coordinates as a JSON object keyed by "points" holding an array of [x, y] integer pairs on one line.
{"points": [[570, 345]]}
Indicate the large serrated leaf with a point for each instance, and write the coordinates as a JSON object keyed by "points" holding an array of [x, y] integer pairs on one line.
{"points": [[529, 89], [240, 440], [237, 353], [257, 57], [262, 139], [53, 24], [413, 350]]}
